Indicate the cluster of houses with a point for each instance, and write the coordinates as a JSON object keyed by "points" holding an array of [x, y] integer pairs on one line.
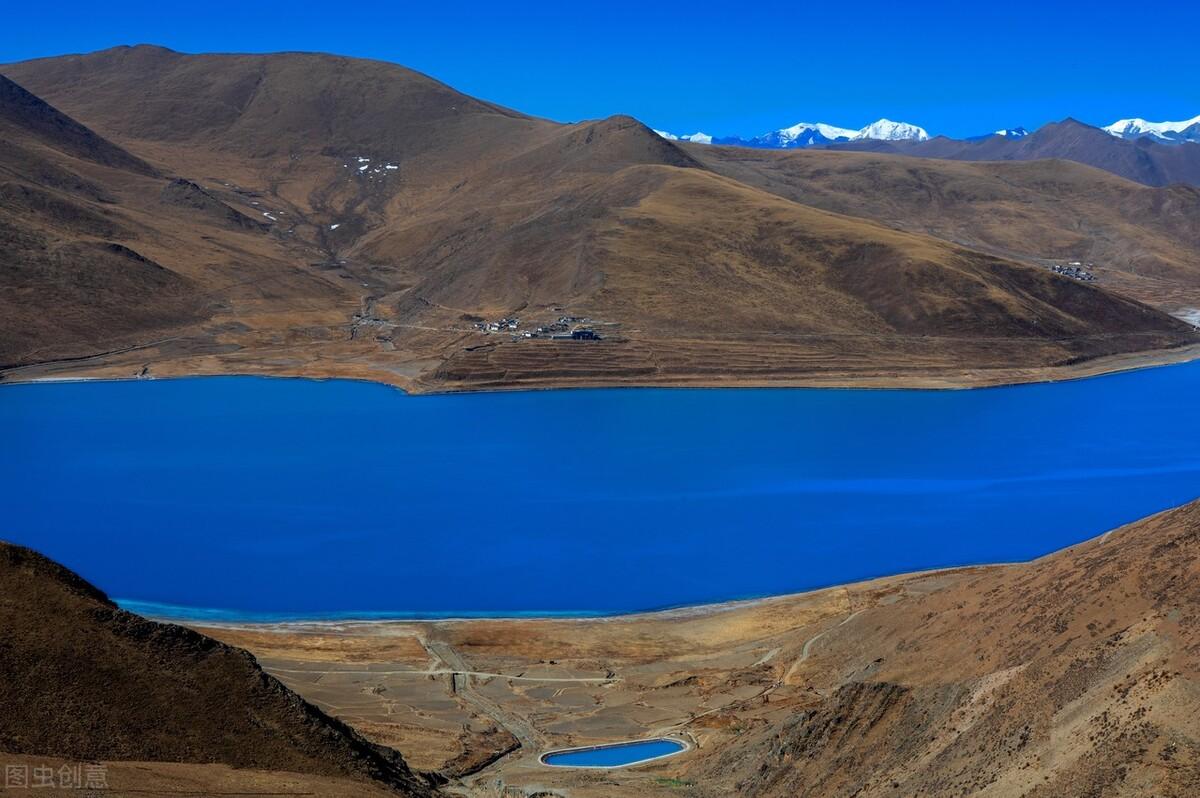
{"points": [[563, 325], [566, 328], [500, 325], [1074, 269]]}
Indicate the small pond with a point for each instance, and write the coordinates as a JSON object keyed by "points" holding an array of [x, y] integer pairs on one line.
{"points": [[614, 756]]}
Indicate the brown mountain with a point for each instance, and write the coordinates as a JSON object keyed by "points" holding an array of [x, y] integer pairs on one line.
{"points": [[1141, 160], [267, 106], [66, 284], [399, 211], [23, 113], [84, 680], [102, 253], [1143, 242]]}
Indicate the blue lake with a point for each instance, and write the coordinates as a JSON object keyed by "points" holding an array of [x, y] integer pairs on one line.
{"points": [[293, 498], [611, 756]]}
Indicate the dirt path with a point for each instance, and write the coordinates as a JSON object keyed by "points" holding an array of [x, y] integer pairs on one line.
{"points": [[84, 359], [808, 644], [448, 672], [805, 651], [531, 741]]}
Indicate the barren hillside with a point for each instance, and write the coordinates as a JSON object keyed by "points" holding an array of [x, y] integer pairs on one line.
{"points": [[84, 680], [309, 214], [1073, 675], [1143, 242]]}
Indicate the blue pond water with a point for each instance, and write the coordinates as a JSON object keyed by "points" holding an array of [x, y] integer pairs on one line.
{"points": [[614, 755], [261, 498]]}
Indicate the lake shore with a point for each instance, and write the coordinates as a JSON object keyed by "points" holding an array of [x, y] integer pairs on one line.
{"points": [[492, 669], [365, 624], [414, 376]]}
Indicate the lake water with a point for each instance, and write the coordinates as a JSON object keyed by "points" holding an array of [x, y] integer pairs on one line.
{"points": [[260, 498], [612, 756]]}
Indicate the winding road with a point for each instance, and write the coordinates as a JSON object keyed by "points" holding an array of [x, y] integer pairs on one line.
{"points": [[808, 644], [531, 741]]}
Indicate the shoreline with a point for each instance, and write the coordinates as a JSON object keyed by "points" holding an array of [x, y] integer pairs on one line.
{"points": [[699, 610], [964, 380], [684, 744]]}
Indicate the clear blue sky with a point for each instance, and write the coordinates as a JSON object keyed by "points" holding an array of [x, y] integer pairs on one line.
{"points": [[955, 68]]}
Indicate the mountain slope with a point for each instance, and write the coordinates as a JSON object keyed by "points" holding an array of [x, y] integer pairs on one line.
{"points": [[757, 285], [856, 277], [22, 112], [69, 276], [1077, 674], [103, 253], [285, 103], [86, 681], [1144, 242]]}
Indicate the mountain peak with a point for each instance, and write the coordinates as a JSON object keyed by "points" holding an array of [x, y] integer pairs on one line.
{"points": [[887, 130], [830, 132], [1167, 132]]}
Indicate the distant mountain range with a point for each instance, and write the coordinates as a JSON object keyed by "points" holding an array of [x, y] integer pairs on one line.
{"points": [[819, 134], [1164, 132], [1144, 159], [698, 138], [812, 134], [1152, 153]]}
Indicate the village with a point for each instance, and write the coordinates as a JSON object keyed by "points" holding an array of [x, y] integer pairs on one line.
{"points": [[1075, 270], [566, 328]]}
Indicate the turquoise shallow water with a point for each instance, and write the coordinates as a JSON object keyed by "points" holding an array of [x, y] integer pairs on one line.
{"points": [[273, 499], [614, 755]]}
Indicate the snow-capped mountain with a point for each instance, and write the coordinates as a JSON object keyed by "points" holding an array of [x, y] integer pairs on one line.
{"points": [[1004, 133], [813, 134], [699, 138], [801, 134], [887, 130], [1166, 132], [820, 128]]}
